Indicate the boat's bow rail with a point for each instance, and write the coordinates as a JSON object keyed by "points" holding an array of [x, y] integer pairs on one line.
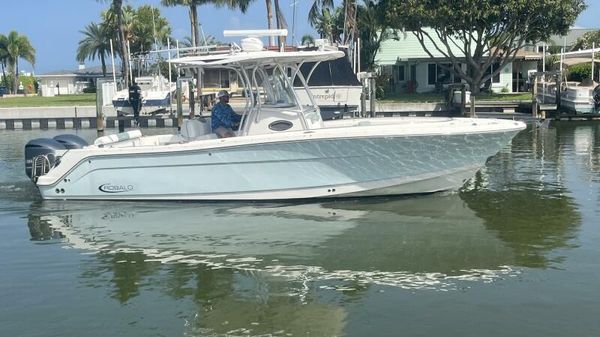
{"points": [[413, 126]]}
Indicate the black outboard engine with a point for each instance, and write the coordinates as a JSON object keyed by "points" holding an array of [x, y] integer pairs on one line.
{"points": [[596, 96], [71, 141], [40, 156]]}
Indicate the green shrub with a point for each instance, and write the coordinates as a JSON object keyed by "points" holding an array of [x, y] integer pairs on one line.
{"points": [[383, 85], [89, 90], [579, 72]]}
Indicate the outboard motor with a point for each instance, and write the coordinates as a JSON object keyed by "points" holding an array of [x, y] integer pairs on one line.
{"points": [[40, 157], [71, 141], [596, 96]]}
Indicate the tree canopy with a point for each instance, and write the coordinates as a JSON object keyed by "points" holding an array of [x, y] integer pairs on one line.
{"points": [[486, 32], [14, 47], [587, 41], [371, 19], [96, 43]]}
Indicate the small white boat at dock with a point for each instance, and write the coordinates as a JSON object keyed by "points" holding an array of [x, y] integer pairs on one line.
{"points": [[156, 96], [580, 97]]}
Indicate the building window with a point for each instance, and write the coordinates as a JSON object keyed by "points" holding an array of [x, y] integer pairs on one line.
{"points": [[457, 78], [496, 78], [431, 73], [401, 73], [444, 74]]}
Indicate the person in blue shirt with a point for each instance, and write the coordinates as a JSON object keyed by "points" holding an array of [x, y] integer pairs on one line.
{"points": [[224, 120]]}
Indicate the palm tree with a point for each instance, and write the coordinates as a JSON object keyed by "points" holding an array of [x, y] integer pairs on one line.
{"points": [[371, 16], [149, 28], [330, 25], [193, 13], [4, 57], [117, 9], [96, 43], [316, 10], [269, 5], [281, 23], [18, 46], [347, 19], [128, 18], [308, 40]]}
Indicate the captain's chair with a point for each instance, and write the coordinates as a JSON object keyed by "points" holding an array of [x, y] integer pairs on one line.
{"points": [[196, 128]]}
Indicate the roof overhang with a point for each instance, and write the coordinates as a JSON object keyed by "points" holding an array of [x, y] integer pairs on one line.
{"points": [[577, 60]]}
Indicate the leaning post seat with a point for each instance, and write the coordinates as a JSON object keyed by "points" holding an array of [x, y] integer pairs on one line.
{"points": [[194, 128], [119, 137]]}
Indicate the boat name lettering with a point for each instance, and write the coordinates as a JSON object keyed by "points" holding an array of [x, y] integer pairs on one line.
{"points": [[325, 97], [110, 188]]}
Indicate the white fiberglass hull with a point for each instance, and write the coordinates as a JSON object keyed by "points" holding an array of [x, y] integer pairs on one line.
{"points": [[578, 100], [335, 98], [339, 161]]}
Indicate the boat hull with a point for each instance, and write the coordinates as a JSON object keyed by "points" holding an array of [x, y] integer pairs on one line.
{"points": [[149, 106], [333, 101], [307, 168], [578, 100]]}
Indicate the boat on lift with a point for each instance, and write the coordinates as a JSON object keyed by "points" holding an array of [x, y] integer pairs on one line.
{"points": [[334, 87], [156, 96], [283, 149], [580, 97]]}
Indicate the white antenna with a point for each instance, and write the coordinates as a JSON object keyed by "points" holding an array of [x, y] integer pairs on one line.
{"points": [[203, 36], [294, 3]]}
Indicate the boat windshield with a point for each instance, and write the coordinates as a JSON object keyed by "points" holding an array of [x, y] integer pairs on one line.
{"points": [[274, 87]]}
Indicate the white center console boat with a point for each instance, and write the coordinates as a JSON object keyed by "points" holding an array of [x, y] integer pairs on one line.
{"points": [[283, 149]]}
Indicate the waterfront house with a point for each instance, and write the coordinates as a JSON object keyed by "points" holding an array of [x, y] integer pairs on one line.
{"points": [[68, 82], [410, 69]]}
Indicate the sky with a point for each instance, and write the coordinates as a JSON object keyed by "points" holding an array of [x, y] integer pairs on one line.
{"points": [[53, 27]]}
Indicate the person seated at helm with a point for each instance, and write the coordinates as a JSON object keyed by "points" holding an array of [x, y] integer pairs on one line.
{"points": [[224, 120]]}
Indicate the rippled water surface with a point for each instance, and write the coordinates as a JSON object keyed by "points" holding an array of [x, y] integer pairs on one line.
{"points": [[515, 253]]}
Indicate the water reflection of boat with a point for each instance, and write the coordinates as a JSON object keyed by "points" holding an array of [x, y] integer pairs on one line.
{"points": [[412, 243], [255, 270]]}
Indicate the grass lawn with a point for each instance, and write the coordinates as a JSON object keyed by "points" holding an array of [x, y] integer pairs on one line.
{"points": [[435, 98], [39, 101]]}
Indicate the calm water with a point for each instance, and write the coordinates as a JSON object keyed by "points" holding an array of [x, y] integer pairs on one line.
{"points": [[515, 253]]}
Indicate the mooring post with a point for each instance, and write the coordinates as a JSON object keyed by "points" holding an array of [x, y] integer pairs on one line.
{"points": [[179, 105], [363, 102], [463, 100], [121, 121], [558, 91], [76, 120], [534, 101], [99, 112], [373, 90]]}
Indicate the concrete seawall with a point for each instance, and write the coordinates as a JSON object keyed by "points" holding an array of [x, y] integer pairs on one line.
{"points": [[71, 117], [84, 117]]}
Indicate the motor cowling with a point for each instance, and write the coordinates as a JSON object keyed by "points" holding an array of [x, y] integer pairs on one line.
{"points": [[596, 96], [45, 149], [71, 141]]}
